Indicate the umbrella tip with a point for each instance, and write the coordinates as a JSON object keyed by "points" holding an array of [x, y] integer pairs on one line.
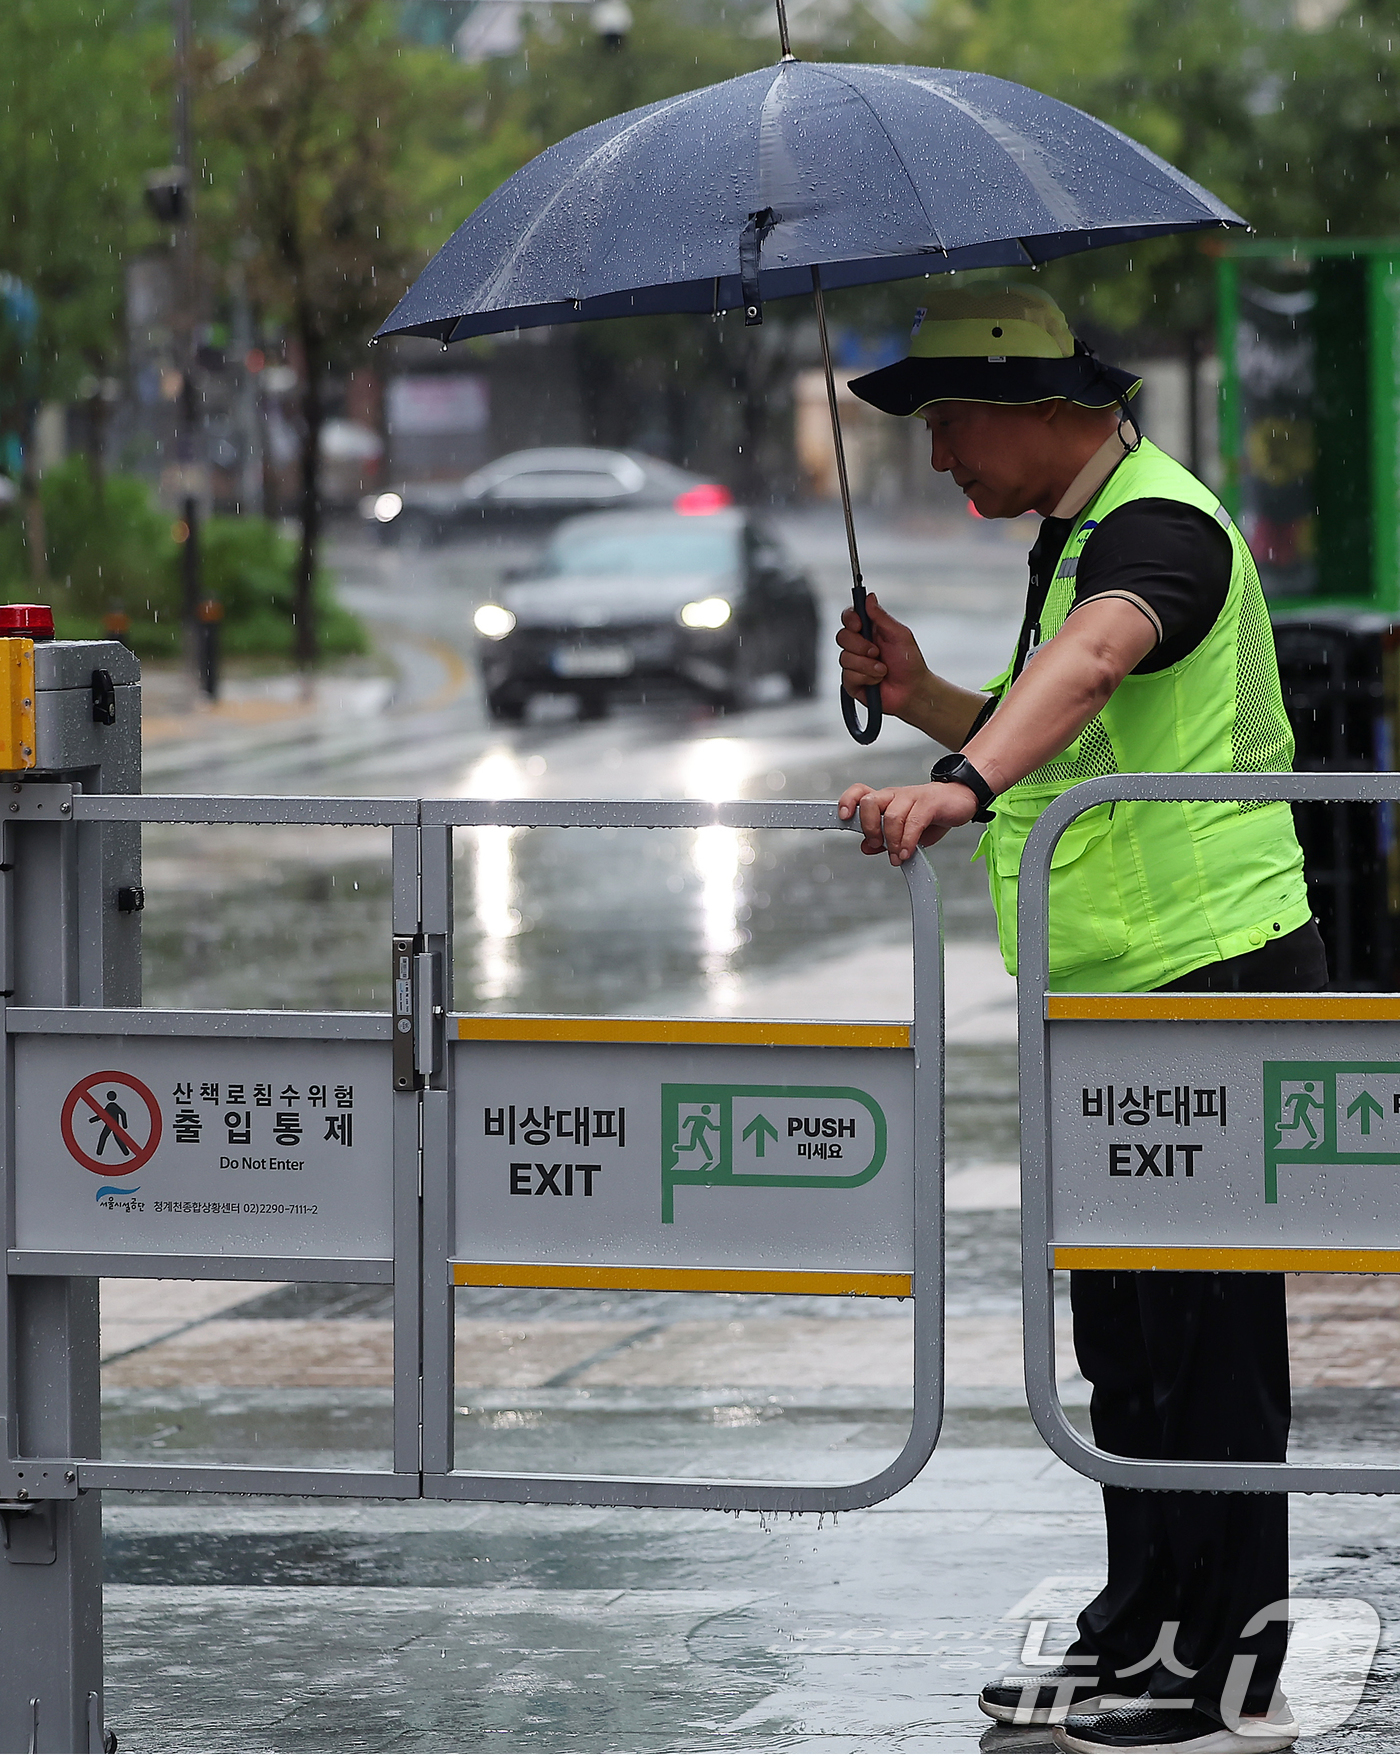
{"points": [[783, 41]]}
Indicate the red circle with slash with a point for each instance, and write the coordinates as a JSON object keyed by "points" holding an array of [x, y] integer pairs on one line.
{"points": [[137, 1154]]}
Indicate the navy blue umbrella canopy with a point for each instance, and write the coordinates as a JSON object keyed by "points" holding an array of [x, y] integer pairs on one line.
{"points": [[803, 176], [870, 173]]}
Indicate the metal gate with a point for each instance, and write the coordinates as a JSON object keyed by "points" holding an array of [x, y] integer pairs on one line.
{"points": [[423, 1136], [1235, 1132]]}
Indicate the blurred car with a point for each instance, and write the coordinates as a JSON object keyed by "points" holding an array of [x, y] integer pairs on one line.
{"points": [[618, 601], [535, 487]]}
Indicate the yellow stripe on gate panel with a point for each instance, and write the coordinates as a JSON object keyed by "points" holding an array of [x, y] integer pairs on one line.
{"points": [[681, 1280], [17, 705], [1225, 1008], [722, 1032], [1226, 1260]]}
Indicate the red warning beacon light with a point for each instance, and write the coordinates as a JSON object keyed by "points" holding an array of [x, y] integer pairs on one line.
{"points": [[26, 621]]}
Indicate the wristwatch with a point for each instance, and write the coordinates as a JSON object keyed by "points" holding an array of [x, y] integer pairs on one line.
{"points": [[958, 769]]}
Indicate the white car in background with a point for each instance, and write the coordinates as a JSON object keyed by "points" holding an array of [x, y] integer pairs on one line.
{"points": [[537, 487]]}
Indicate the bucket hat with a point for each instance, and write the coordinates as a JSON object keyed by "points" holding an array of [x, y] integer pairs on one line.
{"points": [[993, 344]]}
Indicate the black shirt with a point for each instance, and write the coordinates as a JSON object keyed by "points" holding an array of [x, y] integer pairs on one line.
{"points": [[1174, 557]]}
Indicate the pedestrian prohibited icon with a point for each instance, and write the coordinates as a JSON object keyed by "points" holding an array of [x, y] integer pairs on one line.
{"points": [[768, 1136], [111, 1123]]}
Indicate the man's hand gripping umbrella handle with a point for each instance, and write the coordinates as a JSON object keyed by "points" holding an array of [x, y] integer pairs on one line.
{"points": [[874, 714]]}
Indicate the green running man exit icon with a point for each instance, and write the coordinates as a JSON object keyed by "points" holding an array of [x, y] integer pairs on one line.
{"points": [[802, 1137], [1329, 1113]]}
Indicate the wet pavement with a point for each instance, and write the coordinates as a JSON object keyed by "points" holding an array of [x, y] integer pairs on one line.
{"points": [[236, 1624]]}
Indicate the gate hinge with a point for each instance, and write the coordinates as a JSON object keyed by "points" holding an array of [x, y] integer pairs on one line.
{"points": [[25, 1481], [38, 801], [419, 1013], [405, 1011]]}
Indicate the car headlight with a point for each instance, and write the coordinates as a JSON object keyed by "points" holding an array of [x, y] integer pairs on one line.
{"points": [[387, 507], [493, 621], [706, 613]]}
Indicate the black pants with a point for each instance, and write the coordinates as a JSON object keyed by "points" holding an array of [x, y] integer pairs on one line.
{"points": [[1192, 1366]]}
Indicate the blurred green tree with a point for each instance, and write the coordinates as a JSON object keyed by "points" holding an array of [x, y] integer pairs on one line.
{"points": [[1329, 123], [79, 128], [331, 148]]}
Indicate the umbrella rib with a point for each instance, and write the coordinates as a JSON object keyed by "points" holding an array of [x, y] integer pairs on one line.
{"points": [[607, 148], [827, 73]]}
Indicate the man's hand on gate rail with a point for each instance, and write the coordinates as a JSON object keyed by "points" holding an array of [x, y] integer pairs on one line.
{"points": [[897, 820]]}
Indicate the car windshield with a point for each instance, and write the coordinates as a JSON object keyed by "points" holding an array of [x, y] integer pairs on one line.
{"points": [[687, 546]]}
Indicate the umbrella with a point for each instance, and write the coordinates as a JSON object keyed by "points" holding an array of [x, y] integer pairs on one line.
{"points": [[799, 178]]}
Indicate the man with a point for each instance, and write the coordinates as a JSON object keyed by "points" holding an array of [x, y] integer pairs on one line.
{"points": [[1146, 647]]}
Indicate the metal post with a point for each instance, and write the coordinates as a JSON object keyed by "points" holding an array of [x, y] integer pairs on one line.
{"points": [[408, 1244], [439, 1192], [72, 938]]}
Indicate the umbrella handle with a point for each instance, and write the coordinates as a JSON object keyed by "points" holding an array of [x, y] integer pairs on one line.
{"points": [[874, 712]]}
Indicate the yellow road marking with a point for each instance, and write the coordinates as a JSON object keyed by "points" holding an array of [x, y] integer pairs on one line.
{"points": [[681, 1280], [458, 675], [736, 1033], [1303, 1008], [1236, 1260]]}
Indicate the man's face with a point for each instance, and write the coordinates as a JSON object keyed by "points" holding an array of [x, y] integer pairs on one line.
{"points": [[1003, 458]]}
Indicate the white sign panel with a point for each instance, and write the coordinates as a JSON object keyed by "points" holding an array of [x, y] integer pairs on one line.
{"points": [[203, 1146], [685, 1155], [1213, 1133], [446, 402]]}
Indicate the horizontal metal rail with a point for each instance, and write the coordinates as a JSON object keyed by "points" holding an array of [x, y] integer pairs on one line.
{"points": [[225, 1478], [140, 1021], [173, 1265], [1037, 1171], [633, 814], [271, 810]]}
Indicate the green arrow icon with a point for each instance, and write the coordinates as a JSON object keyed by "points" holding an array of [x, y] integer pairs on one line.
{"points": [[761, 1129], [1368, 1107]]}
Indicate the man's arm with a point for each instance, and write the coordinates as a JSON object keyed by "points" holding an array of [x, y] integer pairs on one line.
{"points": [[909, 690], [1059, 692]]}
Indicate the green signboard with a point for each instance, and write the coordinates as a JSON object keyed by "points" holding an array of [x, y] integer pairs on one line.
{"points": [[1309, 341], [768, 1136], [1332, 1113]]}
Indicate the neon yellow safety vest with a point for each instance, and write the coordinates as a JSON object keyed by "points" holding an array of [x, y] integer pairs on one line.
{"points": [[1143, 893]]}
